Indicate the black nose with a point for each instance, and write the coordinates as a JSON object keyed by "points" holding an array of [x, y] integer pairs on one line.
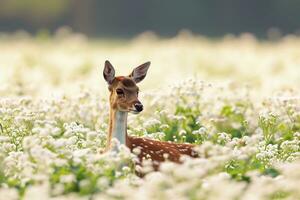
{"points": [[138, 107]]}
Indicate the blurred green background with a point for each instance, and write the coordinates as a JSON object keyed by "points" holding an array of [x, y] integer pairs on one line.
{"points": [[121, 18]]}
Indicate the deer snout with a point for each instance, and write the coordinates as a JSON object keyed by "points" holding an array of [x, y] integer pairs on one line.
{"points": [[138, 106]]}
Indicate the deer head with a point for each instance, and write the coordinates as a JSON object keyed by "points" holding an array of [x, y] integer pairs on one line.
{"points": [[123, 99], [123, 89]]}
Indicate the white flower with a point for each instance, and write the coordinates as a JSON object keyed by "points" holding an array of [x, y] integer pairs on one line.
{"points": [[136, 151], [4, 138], [67, 178], [182, 132], [91, 135], [55, 131], [152, 122]]}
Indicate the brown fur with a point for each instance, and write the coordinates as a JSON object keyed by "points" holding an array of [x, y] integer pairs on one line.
{"points": [[159, 151]]}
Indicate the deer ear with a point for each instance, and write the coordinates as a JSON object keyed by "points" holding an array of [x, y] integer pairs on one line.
{"points": [[108, 72], [140, 72]]}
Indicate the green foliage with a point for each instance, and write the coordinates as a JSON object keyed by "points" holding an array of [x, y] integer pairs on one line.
{"points": [[81, 175], [233, 120], [269, 125], [238, 169], [178, 127]]}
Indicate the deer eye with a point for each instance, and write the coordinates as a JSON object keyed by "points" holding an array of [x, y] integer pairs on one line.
{"points": [[120, 92]]}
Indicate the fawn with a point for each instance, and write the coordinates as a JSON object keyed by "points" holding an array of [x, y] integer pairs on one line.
{"points": [[123, 99]]}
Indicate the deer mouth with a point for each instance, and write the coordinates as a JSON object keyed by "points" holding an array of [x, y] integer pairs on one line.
{"points": [[134, 111]]}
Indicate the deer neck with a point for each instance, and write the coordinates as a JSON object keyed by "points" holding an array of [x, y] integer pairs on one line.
{"points": [[117, 126]]}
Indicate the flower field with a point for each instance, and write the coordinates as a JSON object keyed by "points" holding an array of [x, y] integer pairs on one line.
{"points": [[236, 98]]}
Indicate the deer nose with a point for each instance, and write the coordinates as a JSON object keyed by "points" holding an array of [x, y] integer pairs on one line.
{"points": [[138, 106]]}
